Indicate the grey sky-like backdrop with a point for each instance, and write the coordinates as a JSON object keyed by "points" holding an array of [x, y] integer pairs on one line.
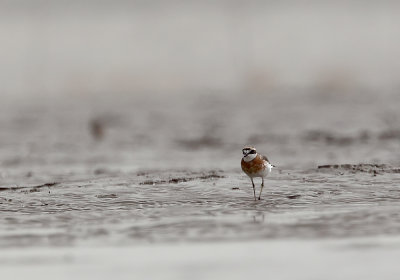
{"points": [[103, 47]]}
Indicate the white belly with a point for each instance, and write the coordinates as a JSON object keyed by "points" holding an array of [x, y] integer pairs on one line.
{"points": [[265, 172]]}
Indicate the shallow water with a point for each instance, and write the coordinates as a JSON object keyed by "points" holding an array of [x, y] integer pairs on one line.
{"points": [[206, 206], [135, 170], [128, 172]]}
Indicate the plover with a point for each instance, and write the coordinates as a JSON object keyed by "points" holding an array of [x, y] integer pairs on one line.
{"points": [[255, 165]]}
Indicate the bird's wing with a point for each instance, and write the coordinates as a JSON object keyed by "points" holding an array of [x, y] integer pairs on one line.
{"points": [[266, 159]]}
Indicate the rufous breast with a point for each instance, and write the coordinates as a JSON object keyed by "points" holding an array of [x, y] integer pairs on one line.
{"points": [[253, 167]]}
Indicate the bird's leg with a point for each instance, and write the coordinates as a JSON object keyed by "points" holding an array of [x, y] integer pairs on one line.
{"points": [[262, 186], [254, 189]]}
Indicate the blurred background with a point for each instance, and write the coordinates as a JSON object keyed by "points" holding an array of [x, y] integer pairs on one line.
{"points": [[136, 47], [307, 82]]}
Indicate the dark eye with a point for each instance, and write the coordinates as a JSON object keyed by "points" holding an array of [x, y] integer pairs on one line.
{"points": [[252, 152]]}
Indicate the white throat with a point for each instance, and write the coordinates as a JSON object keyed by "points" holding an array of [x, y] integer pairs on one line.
{"points": [[249, 157]]}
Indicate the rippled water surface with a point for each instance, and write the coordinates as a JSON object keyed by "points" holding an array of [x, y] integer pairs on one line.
{"points": [[206, 206], [138, 171], [133, 171]]}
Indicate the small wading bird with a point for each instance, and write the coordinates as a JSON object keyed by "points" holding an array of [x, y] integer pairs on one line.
{"points": [[255, 165]]}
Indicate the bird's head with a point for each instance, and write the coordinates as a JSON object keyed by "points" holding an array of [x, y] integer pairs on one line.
{"points": [[248, 150]]}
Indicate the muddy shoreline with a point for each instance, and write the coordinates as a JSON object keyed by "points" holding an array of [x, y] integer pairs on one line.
{"points": [[92, 186], [338, 201]]}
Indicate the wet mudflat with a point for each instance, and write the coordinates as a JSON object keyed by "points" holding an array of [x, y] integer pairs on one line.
{"points": [[154, 173], [206, 206]]}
